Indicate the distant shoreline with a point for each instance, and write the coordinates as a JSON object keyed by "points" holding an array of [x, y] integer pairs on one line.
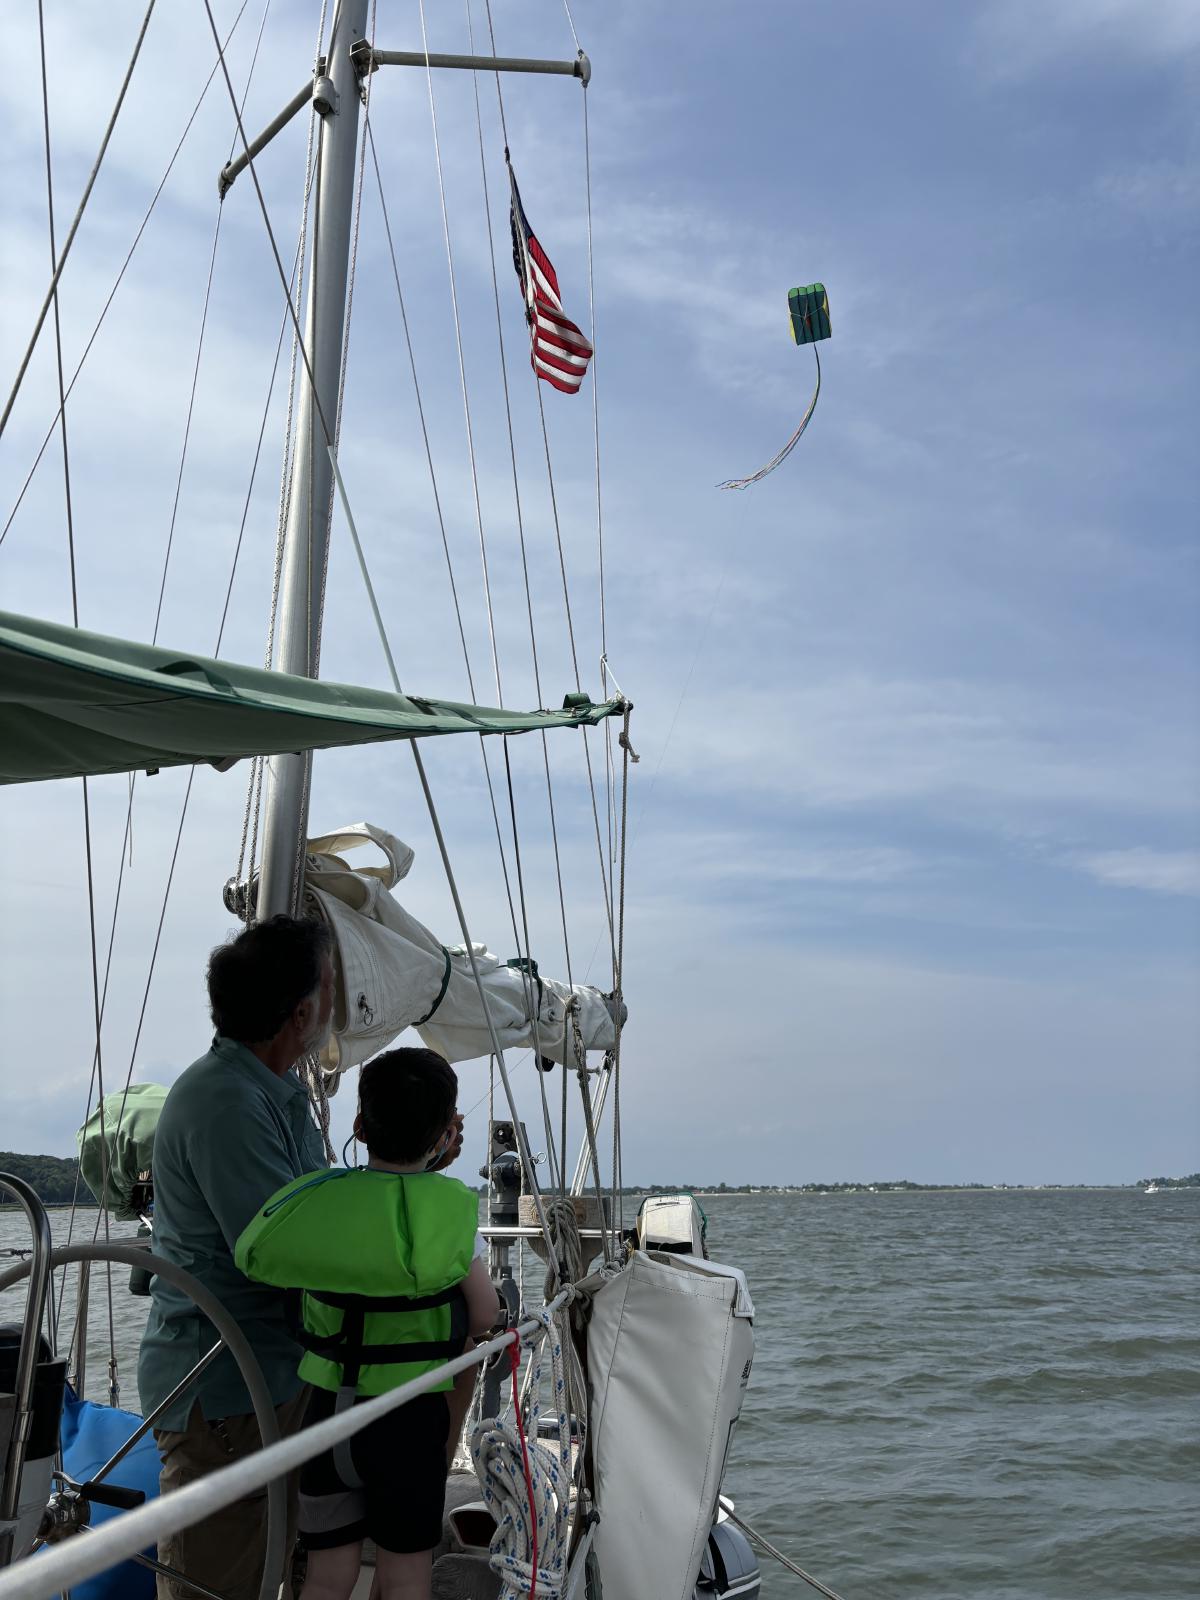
{"points": [[816, 1191], [915, 1188]]}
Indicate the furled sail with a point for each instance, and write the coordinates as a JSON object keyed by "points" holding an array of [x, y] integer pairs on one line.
{"points": [[393, 973]]}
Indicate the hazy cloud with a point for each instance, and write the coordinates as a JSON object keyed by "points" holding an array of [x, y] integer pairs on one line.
{"points": [[1160, 871]]}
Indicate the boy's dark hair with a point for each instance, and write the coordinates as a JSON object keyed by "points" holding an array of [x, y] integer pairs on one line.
{"points": [[257, 980], [405, 1100]]}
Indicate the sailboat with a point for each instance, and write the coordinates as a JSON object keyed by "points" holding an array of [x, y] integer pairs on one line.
{"points": [[638, 1352]]}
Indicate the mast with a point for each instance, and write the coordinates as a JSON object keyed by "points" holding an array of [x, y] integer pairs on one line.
{"points": [[306, 539]]}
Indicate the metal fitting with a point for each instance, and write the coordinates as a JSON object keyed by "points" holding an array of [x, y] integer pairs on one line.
{"points": [[325, 96]]}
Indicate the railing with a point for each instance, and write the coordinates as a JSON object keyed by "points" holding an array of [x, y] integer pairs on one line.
{"points": [[38, 1269], [123, 1537], [38, 1577]]}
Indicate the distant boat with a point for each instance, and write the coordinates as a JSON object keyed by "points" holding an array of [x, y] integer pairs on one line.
{"points": [[1151, 1188]]}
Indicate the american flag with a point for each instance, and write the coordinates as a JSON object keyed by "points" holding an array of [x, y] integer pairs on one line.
{"points": [[560, 352]]}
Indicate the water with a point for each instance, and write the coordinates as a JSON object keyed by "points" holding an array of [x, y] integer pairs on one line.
{"points": [[958, 1396], [973, 1395]]}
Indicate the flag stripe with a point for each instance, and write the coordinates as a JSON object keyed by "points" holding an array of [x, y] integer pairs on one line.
{"points": [[559, 350]]}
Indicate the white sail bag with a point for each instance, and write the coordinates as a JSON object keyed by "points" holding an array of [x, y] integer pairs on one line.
{"points": [[670, 1343]]}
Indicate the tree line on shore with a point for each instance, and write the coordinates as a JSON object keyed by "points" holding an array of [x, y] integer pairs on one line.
{"points": [[54, 1178]]}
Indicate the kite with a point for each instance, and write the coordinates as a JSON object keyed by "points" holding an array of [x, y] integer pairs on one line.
{"points": [[809, 310]]}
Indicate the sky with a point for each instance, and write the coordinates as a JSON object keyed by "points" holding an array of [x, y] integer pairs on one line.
{"points": [[913, 867]]}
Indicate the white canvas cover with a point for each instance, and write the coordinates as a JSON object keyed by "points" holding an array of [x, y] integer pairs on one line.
{"points": [[670, 1343], [393, 973]]}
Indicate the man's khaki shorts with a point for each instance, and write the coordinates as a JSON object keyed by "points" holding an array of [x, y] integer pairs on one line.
{"points": [[226, 1550]]}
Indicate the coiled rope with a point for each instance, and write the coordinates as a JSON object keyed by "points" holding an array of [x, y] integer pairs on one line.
{"points": [[526, 1483]]}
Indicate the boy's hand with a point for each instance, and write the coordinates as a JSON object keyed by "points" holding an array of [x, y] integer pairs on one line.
{"points": [[454, 1148]]}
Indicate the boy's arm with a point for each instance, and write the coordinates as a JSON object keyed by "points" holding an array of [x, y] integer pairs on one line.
{"points": [[483, 1303]]}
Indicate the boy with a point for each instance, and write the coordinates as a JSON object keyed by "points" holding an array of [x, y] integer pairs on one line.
{"points": [[363, 1243]]}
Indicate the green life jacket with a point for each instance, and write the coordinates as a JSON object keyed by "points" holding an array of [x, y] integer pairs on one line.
{"points": [[380, 1258]]}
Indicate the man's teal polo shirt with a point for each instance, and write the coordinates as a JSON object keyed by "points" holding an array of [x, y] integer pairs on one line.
{"points": [[231, 1133]]}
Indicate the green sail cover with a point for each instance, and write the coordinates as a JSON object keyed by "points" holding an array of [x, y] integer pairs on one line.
{"points": [[75, 703], [130, 1118]]}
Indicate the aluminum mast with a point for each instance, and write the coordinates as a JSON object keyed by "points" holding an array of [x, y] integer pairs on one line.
{"points": [[306, 541]]}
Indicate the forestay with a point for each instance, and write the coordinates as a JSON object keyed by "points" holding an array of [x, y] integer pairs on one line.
{"points": [[393, 973], [75, 704]]}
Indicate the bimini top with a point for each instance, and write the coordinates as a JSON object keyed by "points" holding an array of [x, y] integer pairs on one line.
{"points": [[75, 704]]}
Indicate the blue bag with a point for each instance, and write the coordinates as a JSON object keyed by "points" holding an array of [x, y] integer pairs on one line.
{"points": [[90, 1435]]}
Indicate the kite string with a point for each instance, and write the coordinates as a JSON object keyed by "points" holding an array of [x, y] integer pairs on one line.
{"points": [[781, 455]]}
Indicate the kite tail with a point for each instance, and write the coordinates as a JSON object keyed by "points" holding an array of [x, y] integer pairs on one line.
{"points": [[782, 455]]}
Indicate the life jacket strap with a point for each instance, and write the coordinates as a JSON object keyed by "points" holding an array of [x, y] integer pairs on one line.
{"points": [[348, 1348], [381, 1302]]}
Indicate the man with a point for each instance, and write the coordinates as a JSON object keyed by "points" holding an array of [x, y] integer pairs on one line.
{"points": [[236, 1126]]}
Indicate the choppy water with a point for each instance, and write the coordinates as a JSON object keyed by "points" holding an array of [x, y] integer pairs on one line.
{"points": [[976, 1396]]}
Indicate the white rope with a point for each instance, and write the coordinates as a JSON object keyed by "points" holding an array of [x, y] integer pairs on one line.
{"points": [[566, 1264], [500, 1465], [69, 1563]]}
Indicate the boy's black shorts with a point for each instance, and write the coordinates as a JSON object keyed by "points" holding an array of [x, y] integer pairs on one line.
{"points": [[401, 1460]]}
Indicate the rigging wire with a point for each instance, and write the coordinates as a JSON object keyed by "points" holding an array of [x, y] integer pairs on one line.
{"points": [[318, 408], [220, 635], [557, 528], [496, 1048], [537, 677], [87, 816], [619, 977], [57, 269], [187, 431], [785, 1561], [566, 594], [120, 275], [571, 25], [254, 788], [605, 875], [192, 771], [437, 501], [526, 976], [266, 216], [461, 363], [610, 780]]}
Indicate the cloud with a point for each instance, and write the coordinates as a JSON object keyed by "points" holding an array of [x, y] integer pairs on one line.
{"points": [[951, 747], [1159, 190], [729, 856], [1017, 38], [881, 701], [1158, 871]]}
